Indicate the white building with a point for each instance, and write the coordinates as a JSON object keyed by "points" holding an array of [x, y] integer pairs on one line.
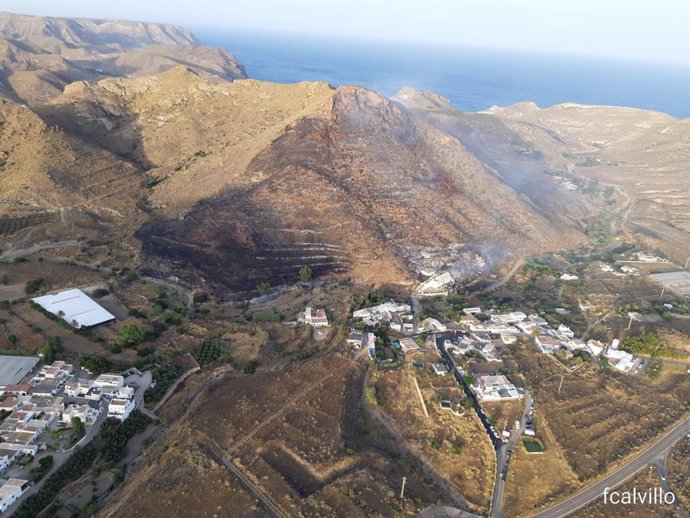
{"points": [[431, 324], [495, 388], [74, 307], [120, 408], [382, 312], [10, 491], [78, 388], [109, 381], [408, 344], [86, 413], [595, 347], [436, 285], [314, 317], [58, 369], [509, 318], [440, 369], [621, 360]]}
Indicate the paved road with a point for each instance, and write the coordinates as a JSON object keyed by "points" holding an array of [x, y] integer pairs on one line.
{"points": [[617, 477], [503, 461]]}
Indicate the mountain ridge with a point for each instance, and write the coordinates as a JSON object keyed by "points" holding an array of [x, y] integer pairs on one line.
{"points": [[39, 56]]}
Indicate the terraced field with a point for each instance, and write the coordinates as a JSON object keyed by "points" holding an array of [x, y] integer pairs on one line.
{"points": [[10, 225]]}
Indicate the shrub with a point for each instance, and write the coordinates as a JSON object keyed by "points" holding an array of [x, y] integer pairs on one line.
{"points": [[34, 285], [96, 364], [130, 334]]}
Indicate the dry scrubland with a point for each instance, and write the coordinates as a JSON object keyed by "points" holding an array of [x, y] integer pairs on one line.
{"points": [[322, 456], [456, 447], [596, 420]]}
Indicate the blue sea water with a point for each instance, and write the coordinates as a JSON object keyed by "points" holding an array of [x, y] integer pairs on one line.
{"points": [[472, 79]]}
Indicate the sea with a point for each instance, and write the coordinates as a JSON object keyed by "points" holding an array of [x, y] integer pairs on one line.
{"points": [[473, 79]]}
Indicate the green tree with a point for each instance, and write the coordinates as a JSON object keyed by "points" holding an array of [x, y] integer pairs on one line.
{"points": [[305, 274], [51, 348], [78, 430], [130, 334], [263, 287]]}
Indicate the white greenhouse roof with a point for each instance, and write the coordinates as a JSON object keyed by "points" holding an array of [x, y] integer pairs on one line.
{"points": [[75, 307]]}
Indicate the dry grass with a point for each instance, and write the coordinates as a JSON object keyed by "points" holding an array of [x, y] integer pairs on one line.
{"points": [[535, 480], [595, 421], [456, 447], [322, 457]]}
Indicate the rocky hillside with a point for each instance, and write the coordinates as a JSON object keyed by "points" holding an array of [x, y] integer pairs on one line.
{"points": [[573, 160], [269, 178], [232, 184], [39, 56]]}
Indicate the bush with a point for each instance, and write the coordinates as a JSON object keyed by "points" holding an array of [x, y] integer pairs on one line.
{"points": [[34, 285], [250, 368], [96, 364], [40, 471], [130, 335], [100, 292]]}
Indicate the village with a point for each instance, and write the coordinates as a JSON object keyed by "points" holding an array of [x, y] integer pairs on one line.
{"points": [[469, 348], [49, 410], [444, 365]]}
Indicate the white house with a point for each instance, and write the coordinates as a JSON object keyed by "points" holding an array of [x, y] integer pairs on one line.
{"points": [[120, 408], [440, 369], [375, 314], [6, 458], [10, 491], [495, 388], [78, 388], [58, 369], [431, 324], [314, 317], [109, 381], [73, 410], [621, 360]]}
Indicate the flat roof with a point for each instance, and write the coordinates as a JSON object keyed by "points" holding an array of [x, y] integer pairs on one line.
{"points": [[75, 307], [677, 281], [14, 368]]}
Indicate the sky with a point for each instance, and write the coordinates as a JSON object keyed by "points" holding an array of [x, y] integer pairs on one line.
{"points": [[646, 30]]}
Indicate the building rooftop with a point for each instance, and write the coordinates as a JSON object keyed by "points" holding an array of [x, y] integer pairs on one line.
{"points": [[75, 307], [14, 368]]}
